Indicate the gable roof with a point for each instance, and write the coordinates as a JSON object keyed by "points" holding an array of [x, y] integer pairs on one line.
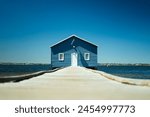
{"points": [[71, 37]]}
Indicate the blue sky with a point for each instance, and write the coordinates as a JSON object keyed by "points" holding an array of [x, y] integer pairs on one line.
{"points": [[121, 28]]}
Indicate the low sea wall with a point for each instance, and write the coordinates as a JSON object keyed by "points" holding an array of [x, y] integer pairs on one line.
{"points": [[19, 78], [130, 81]]}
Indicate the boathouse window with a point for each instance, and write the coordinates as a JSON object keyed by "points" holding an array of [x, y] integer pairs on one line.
{"points": [[86, 56], [61, 56]]}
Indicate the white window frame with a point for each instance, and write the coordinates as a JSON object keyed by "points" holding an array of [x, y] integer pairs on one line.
{"points": [[86, 56], [59, 56]]}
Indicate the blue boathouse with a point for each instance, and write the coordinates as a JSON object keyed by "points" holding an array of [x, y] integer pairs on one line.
{"points": [[74, 51]]}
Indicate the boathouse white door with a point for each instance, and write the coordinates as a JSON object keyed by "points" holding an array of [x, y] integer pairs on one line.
{"points": [[74, 59]]}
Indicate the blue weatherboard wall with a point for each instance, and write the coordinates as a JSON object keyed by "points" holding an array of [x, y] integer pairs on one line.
{"points": [[81, 47]]}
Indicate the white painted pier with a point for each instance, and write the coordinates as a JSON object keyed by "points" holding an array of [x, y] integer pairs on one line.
{"points": [[72, 83]]}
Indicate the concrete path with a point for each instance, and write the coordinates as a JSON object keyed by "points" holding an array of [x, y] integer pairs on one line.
{"points": [[72, 83]]}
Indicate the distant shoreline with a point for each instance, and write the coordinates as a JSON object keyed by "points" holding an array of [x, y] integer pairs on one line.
{"points": [[25, 64], [123, 64], [99, 64]]}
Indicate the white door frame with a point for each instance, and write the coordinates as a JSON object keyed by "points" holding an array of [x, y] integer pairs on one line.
{"points": [[74, 59]]}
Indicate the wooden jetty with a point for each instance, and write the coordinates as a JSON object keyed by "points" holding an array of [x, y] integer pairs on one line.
{"points": [[72, 83]]}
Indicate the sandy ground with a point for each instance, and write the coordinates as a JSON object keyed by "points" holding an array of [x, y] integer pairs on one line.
{"points": [[72, 83]]}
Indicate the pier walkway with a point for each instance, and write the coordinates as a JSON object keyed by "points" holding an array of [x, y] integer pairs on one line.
{"points": [[72, 83]]}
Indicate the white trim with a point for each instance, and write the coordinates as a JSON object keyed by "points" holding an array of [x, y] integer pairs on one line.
{"points": [[88, 57], [70, 37], [59, 57]]}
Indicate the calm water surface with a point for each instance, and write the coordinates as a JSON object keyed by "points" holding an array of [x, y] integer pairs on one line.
{"points": [[11, 70], [137, 72]]}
